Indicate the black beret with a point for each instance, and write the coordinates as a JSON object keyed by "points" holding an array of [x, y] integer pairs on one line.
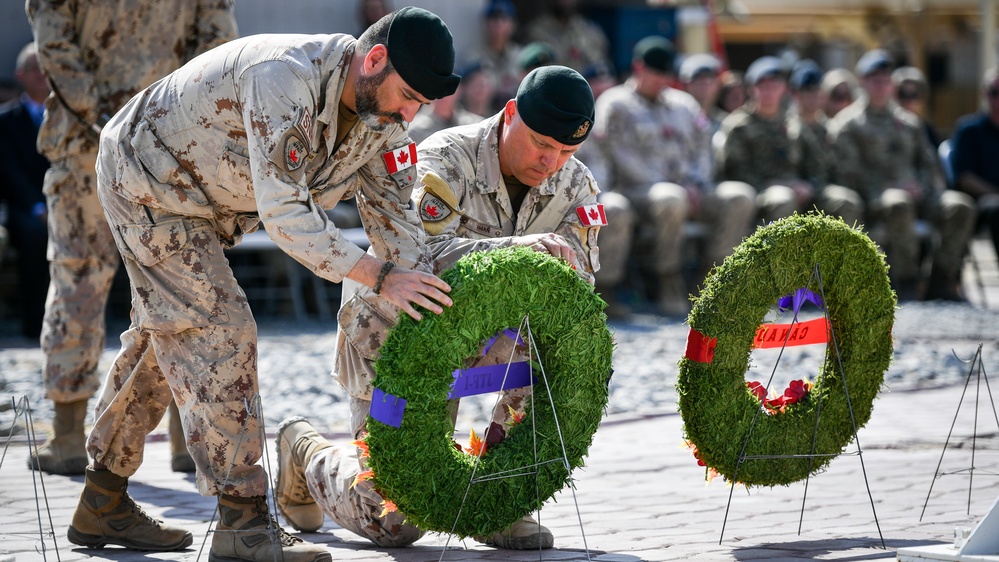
{"points": [[764, 67], [805, 74], [656, 52], [556, 101], [422, 51], [873, 61]]}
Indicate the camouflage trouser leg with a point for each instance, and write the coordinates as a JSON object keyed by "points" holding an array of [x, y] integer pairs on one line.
{"points": [[192, 336], [897, 211], [664, 208], [776, 202], [82, 262], [842, 202], [614, 238], [357, 508], [730, 212], [955, 220]]}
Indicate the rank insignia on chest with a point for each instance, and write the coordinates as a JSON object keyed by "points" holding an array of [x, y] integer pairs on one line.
{"points": [[433, 209], [295, 153], [592, 215], [400, 158]]}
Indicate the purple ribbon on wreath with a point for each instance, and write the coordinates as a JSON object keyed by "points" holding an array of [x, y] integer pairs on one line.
{"points": [[798, 298]]}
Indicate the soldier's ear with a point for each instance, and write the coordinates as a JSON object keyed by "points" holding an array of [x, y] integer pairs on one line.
{"points": [[375, 60], [509, 110]]}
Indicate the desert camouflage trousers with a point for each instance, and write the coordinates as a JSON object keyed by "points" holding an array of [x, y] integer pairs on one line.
{"points": [[331, 472], [661, 210], [892, 224], [82, 262], [193, 339]]}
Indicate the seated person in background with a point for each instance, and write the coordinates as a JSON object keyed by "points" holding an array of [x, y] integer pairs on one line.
{"points": [[497, 53], [840, 87], [882, 153], [974, 156], [911, 91], [444, 112], [700, 76], [656, 141], [732, 93], [761, 148]]}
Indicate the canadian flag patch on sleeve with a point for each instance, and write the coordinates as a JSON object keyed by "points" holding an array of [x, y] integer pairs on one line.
{"points": [[400, 158], [592, 215]]}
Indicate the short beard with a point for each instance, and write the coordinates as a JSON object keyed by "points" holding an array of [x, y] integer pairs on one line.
{"points": [[368, 108]]}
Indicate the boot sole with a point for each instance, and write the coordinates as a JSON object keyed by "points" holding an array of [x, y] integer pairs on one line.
{"points": [[212, 557], [100, 541], [68, 467]]}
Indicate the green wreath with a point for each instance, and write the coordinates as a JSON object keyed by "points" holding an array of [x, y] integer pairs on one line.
{"points": [[416, 465], [715, 404]]}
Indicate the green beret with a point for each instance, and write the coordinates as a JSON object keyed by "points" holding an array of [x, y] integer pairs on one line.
{"points": [[422, 52], [556, 102], [656, 52]]}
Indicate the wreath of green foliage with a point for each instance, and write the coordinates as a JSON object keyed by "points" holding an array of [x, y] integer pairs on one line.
{"points": [[417, 465], [715, 404]]}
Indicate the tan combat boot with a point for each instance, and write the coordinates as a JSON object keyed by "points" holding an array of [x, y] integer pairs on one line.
{"points": [[65, 451], [297, 442], [673, 297], [526, 534], [180, 458], [247, 531], [106, 515]]}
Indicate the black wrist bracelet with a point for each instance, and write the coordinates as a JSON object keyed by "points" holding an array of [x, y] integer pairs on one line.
{"points": [[381, 276]]}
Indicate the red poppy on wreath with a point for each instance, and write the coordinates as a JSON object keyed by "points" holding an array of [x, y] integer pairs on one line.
{"points": [[795, 391]]}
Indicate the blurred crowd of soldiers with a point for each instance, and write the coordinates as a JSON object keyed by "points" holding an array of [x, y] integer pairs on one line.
{"points": [[690, 156]]}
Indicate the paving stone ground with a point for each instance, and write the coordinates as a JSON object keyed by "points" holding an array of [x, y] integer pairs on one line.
{"points": [[641, 497]]}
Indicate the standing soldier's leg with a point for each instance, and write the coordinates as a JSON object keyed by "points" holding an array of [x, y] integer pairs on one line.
{"points": [[192, 327], [83, 260]]}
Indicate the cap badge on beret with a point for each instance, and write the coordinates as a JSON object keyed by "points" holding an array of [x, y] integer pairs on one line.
{"points": [[582, 130]]}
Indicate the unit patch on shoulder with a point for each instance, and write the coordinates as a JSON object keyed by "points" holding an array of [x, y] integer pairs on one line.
{"points": [[433, 209], [295, 153]]}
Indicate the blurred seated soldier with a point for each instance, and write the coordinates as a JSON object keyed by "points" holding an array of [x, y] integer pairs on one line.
{"points": [[840, 87], [497, 53], [882, 153], [443, 113], [807, 122], [656, 141], [700, 76], [732, 93], [911, 92], [578, 42], [974, 156]]}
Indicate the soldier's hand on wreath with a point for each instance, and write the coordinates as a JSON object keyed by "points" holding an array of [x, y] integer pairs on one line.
{"points": [[405, 288], [402, 287], [550, 243]]}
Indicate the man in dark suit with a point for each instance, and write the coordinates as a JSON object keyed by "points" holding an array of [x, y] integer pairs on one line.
{"points": [[22, 172]]}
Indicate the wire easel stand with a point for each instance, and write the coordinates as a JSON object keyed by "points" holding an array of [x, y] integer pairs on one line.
{"points": [[255, 410], [22, 407], [816, 277], [525, 327], [976, 369]]}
